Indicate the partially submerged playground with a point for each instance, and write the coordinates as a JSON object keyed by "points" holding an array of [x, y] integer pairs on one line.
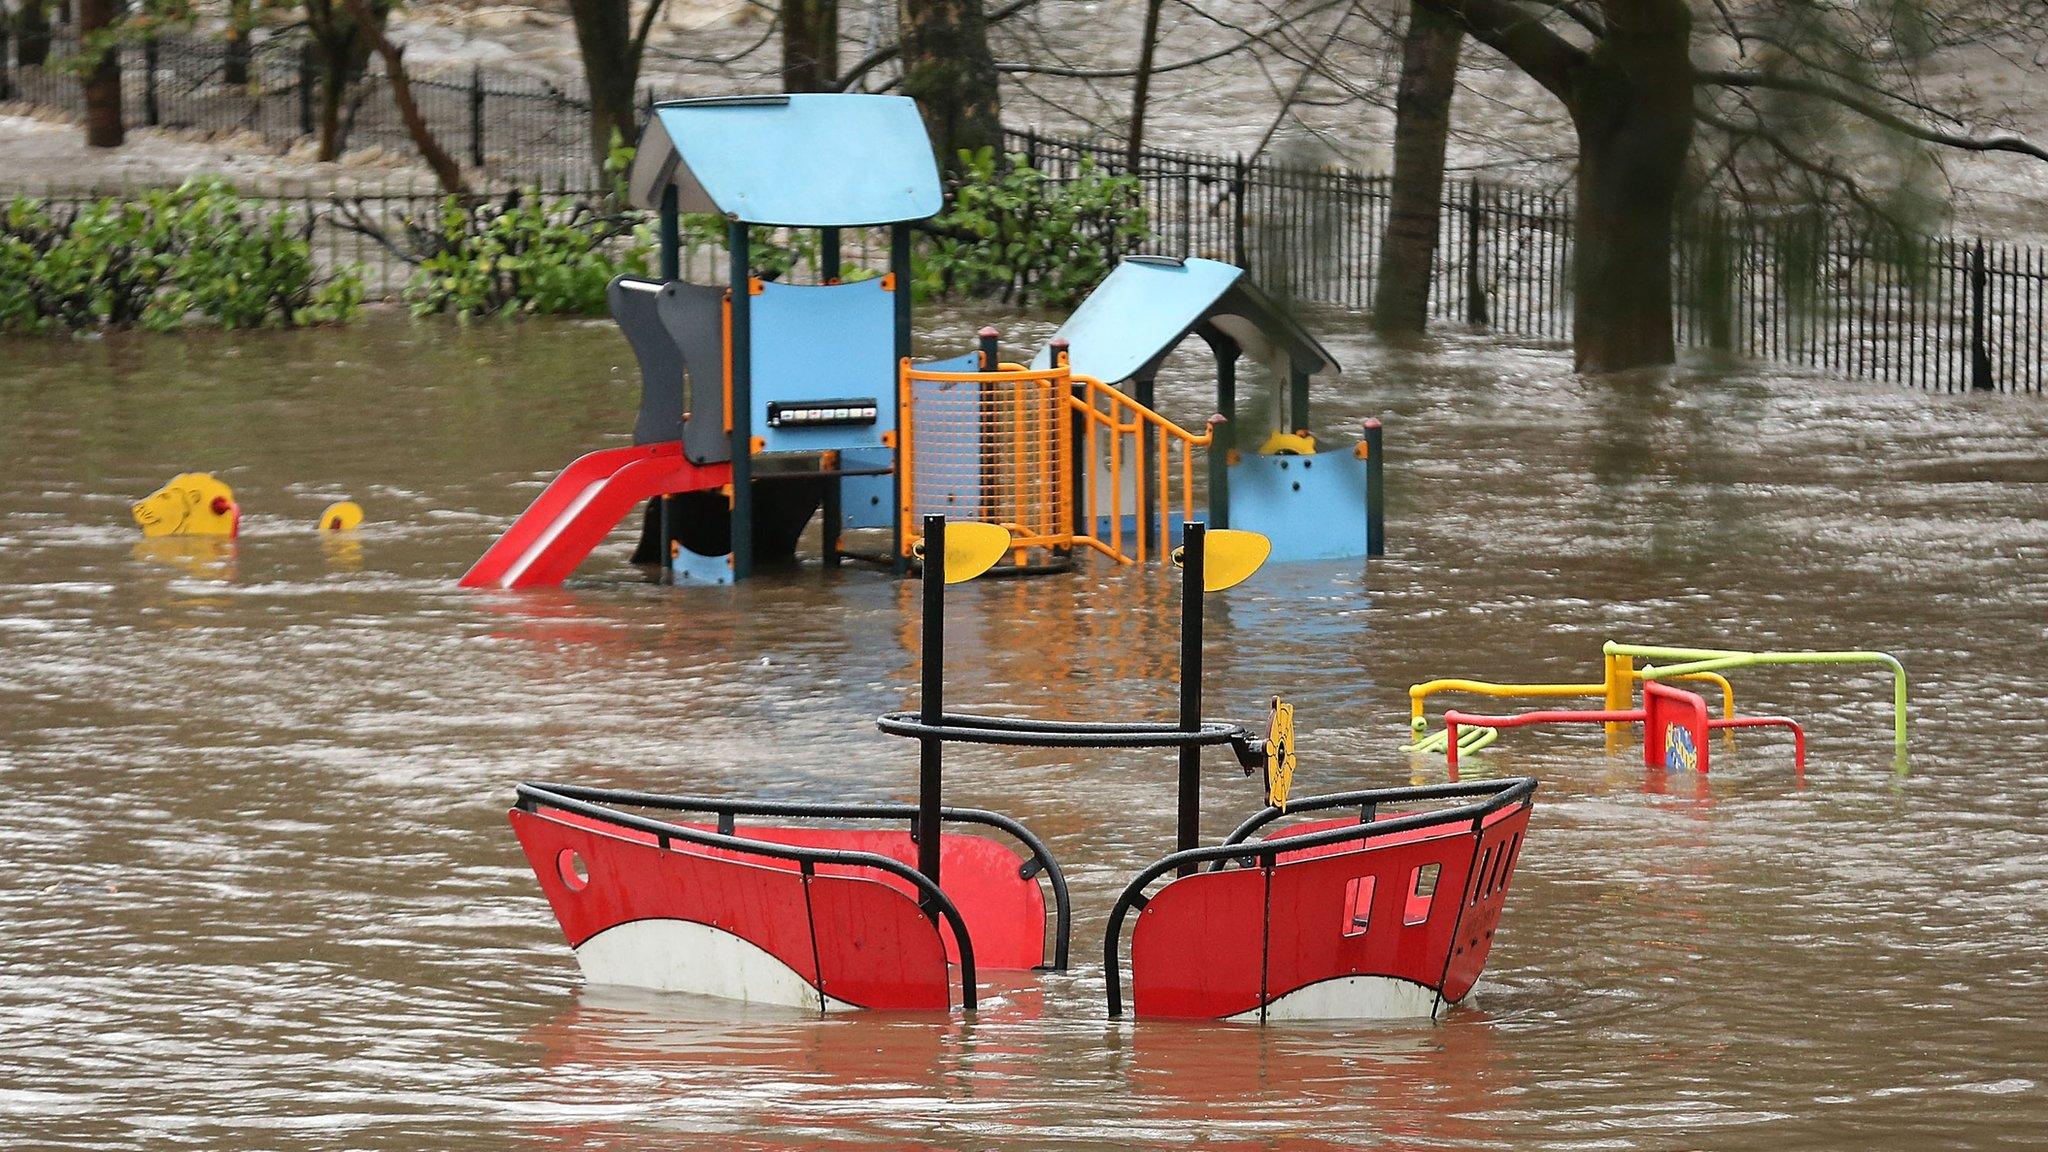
{"points": [[765, 406]]}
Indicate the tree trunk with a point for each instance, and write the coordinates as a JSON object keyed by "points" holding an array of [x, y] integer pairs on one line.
{"points": [[32, 29], [235, 50], [948, 69], [1632, 107], [611, 70], [103, 82], [810, 45], [343, 54], [1422, 126], [1141, 87], [446, 170]]}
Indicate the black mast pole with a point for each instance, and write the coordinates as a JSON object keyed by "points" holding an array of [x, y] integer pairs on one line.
{"points": [[1190, 826], [932, 698]]}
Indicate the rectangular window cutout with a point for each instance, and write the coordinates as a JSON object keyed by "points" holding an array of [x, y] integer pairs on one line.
{"points": [[1485, 870], [1421, 894], [1358, 905]]}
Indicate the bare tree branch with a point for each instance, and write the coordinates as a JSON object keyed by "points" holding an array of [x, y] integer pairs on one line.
{"points": [[1870, 111]]}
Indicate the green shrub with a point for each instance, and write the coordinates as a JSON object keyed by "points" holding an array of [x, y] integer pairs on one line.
{"points": [[523, 253], [1012, 232], [199, 251]]}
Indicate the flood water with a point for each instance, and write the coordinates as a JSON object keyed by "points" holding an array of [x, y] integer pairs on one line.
{"points": [[261, 893]]}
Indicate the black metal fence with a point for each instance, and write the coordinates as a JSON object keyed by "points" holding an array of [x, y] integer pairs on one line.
{"points": [[1945, 314], [1844, 295], [513, 128]]}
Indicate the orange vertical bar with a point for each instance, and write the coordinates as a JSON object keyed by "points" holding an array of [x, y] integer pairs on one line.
{"points": [[1165, 495]]}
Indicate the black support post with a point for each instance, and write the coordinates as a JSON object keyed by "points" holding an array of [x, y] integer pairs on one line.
{"points": [[742, 439], [1375, 491], [1188, 832], [1223, 430], [899, 272], [931, 751], [828, 255], [671, 236], [1297, 400]]}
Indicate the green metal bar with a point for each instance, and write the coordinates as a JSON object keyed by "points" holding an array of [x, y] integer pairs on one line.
{"points": [[1716, 659]]}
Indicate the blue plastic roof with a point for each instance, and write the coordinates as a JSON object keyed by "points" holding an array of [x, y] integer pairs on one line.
{"points": [[809, 160], [1149, 304]]}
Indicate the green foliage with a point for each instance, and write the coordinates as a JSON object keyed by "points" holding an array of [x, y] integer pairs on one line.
{"points": [[524, 253], [772, 252], [199, 251], [1012, 232]]}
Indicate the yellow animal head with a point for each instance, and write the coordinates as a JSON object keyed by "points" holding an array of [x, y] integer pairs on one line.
{"points": [[192, 504], [1288, 444]]}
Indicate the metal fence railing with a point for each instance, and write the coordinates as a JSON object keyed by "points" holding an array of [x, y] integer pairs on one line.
{"points": [[1847, 295], [1946, 314]]}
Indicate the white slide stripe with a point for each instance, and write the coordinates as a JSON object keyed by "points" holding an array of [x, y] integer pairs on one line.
{"points": [[560, 523]]}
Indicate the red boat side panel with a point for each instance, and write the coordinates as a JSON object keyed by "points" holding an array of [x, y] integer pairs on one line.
{"points": [[1419, 906], [1198, 951], [1005, 913], [1500, 848], [883, 952], [876, 948]]}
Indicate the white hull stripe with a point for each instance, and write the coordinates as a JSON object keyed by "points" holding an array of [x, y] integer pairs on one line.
{"points": [[1351, 998], [685, 956]]}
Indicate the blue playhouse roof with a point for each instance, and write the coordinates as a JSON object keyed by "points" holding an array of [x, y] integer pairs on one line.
{"points": [[1149, 304], [809, 160]]}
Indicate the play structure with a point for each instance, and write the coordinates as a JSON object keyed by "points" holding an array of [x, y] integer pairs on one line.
{"points": [[1675, 727], [1361, 904], [766, 404], [1675, 722]]}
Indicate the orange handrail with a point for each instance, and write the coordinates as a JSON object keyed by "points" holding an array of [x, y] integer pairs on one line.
{"points": [[1022, 458]]}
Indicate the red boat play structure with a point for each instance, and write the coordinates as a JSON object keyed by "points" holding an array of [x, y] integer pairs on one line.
{"points": [[1387, 910]]}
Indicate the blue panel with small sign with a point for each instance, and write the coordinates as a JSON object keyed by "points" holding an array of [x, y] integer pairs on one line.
{"points": [[824, 366], [1311, 507]]}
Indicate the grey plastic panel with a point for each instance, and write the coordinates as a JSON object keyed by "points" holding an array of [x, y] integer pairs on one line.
{"points": [[693, 315], [634, 302]]}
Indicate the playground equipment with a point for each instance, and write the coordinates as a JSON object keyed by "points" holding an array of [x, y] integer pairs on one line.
{"points": [[1380, 912], [765, 403], [1622, 673], [1616, 689], [190, 504], [1675, 727]]}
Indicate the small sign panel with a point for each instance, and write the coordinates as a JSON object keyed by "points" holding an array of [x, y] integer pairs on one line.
{"points": [[1279, 753], [1680, 753]]}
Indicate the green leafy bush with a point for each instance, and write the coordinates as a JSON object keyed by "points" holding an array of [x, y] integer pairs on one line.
{"points": [[1012, 232], [523, 253], [196, 252]]}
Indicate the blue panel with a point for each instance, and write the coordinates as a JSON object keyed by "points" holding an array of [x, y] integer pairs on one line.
{"points": [[867, 501], [1312, 507], [691, 568], [950, 482], [1141, 310], [824, 342], [815, 160]]}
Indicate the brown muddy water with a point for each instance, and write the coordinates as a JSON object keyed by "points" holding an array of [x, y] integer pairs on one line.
{"points": [[260, 892]]}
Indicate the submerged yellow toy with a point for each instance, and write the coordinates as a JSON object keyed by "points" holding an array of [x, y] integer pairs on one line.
{"points": [[341, 516], [192, 504]]}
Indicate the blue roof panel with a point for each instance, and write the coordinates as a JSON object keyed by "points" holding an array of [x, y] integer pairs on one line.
{"points": [[1144, 308], [808, 160]]}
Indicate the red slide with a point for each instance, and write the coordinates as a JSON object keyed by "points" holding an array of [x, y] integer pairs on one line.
{"points": [[581, 507]]}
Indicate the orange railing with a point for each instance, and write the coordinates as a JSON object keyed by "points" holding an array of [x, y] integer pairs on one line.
{"points": [[1000, 446], [1131, 430]]}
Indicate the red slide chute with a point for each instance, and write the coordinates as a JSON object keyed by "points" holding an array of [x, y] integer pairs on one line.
{"points": [[581, 507]]}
